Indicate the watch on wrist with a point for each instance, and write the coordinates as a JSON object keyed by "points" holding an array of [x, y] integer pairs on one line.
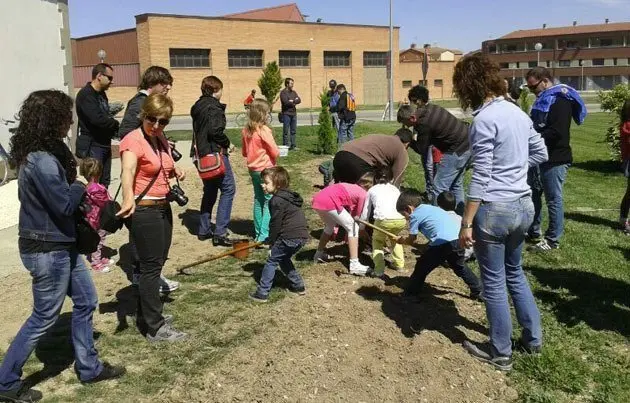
{"points": [[467, 226]]}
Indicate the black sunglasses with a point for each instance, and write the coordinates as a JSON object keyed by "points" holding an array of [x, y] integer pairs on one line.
{"points": [[161, 122], [110, 78], [533, 87]]}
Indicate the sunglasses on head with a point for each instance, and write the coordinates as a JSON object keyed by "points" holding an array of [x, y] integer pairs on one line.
{"points": [[534, 86], [161, 122]]}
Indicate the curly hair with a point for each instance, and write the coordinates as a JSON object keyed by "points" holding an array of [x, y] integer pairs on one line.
{"points": [[45, 118], [476, 78], [418, 93]]}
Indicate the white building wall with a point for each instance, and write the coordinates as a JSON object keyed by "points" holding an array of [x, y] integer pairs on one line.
{"points": [[35, 48]]}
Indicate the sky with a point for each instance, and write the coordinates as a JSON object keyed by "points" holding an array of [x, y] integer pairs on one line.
{"points": [[455, 24]]}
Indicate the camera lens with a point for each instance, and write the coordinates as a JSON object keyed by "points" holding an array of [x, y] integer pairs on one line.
{"points": [[176, 154]]}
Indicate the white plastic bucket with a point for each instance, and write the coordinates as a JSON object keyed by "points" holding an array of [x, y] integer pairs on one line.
{"points": [[284, 150]]}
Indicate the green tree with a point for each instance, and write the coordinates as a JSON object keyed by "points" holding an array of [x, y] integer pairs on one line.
{"points": [[612, 101], [525, 100], [326, 138], [270, 82]]}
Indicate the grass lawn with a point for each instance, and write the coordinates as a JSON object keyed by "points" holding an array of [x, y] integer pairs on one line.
{"points": [[583, 291]]}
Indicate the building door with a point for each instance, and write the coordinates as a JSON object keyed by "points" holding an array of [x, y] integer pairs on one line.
{"points": [[375, 86]]}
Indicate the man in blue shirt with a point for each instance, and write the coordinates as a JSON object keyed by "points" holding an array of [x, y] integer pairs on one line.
{"points": [[443, 235]]}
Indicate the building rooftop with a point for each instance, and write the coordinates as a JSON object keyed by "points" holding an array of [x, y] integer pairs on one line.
{"points": [[568, 30], [286, 12]]}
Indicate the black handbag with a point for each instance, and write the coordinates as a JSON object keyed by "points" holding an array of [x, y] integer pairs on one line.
{"points": [[108, 220], [87, 237]]}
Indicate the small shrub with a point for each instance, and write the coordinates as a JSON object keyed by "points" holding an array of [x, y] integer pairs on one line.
{"points": [[270, 82], [612, 101], [525, 100], [326, 137]]}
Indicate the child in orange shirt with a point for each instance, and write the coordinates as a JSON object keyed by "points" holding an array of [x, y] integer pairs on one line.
{"points": [[261, 152]]}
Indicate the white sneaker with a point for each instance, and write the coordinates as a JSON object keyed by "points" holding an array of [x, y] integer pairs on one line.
{"points": [[358, 269], [321, 257], [167, 285]]}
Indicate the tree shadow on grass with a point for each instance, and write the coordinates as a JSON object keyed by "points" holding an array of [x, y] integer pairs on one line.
{"points": [[590, 219], [600, 166], [427, 313], [190, 219], [625, 251], [55, 351], [602, 303]]}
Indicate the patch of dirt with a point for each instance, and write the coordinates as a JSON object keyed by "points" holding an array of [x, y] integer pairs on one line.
{"points": [[348, 339]]}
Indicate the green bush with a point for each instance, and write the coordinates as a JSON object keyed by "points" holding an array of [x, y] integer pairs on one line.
{"points": [[525, 100], [612, 101], [270, 82], [327, 139]]}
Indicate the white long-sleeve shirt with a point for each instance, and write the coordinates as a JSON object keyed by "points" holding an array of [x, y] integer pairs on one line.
{"points": [[382, 200]]}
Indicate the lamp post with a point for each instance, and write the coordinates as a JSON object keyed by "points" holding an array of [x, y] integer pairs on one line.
{"points": [[391, 65], [310, 79], [582, 79], [101, 54], [538, 46]]}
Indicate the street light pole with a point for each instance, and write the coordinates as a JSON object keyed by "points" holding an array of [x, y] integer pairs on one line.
{"points": [[101, 54], [391, 64], [582, 80], [538, 46]]}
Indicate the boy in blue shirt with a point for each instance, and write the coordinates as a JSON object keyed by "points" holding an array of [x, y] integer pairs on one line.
{"points": [[443, 235]]}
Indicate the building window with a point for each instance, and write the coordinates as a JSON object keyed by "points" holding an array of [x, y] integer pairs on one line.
{"points": [[438, 83], [189, 58], [294, 58], [406, 83], [375, 59], [504, 65], [532, 64], [598, 62], [336, 59], [604, 42], [492, 49], [512, 47], [564, 63], [238, 58]]}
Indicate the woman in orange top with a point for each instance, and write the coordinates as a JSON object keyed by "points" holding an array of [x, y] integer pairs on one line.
{"points": [[260, 151], [147, 166]]}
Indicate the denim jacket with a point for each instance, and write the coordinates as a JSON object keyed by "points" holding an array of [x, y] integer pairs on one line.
{"points": [[47, 203]]}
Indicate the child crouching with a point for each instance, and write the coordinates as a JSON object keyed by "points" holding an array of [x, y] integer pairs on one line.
{"points": [[443, 234], [287, 232]]}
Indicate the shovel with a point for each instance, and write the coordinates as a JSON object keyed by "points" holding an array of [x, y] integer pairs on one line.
{"points": [[240, 250]]}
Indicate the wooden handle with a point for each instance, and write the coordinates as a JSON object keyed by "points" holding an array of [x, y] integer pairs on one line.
{"points": [[367, 224], [220, 255]]}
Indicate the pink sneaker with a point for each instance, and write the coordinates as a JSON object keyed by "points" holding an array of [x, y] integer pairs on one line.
{"points": [[101, 268]]}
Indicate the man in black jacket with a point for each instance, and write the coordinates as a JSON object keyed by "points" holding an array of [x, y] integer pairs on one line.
{"points": [[288, 100], [96, 126], [208, 115], [155, 79], [347, 117], [435, 126], [552, 113]]}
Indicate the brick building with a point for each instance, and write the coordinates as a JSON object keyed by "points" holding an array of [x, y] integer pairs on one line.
{"points": [[236, 47], [440, 73], [586, 57]]}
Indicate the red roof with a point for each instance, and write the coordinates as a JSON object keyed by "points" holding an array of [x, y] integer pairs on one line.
{"points": [[570, 30], [287, 12]]}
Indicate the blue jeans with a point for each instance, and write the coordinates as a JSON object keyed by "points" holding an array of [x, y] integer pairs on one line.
{"points": [[289, 124], [211, 187], [346, 131], [449, 176], [427, 167], [552, 178], [280, 255], [499, 231], [335, 121], [103, 154], [55, 275]]}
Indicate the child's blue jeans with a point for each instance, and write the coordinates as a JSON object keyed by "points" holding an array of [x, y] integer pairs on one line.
{"points": [[280, 255]]}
